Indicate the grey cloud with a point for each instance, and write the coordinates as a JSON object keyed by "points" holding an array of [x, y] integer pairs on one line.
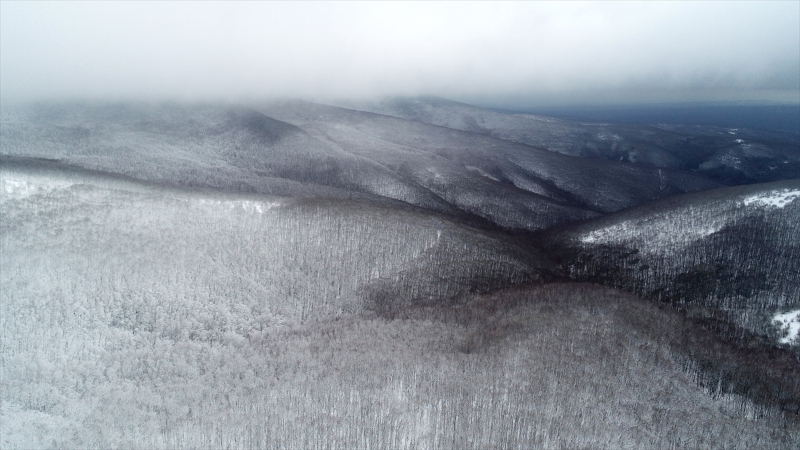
{"points": [[541, 52]]}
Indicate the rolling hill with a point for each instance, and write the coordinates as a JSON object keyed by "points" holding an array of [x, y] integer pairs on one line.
{"points": [[291, 259]]}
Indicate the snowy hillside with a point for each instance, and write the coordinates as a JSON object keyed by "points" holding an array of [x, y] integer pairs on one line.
{"points": [[289, 259], [730, 255], [559, 366]]}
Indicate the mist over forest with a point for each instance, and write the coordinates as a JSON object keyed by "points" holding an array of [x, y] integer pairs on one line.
{"points": [[439, 226]]}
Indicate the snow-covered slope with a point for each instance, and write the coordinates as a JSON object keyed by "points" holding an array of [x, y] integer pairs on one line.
{"points": [[98, 271], [563, 366], [104, 239], [733, 250]]}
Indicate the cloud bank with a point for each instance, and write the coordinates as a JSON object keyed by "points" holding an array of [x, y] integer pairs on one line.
{"points": [[540, 53]]}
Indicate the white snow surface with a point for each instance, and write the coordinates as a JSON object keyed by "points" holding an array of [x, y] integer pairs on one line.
{"points": [[19, 187], [789, 323], [620, 230], [629, 229], [778, 199], [653, 230], [481, 172], [248, 205]]}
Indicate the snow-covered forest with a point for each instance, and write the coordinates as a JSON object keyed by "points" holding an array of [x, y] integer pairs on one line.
{"points": [[300, 275], [560, 366], [730, 255]]}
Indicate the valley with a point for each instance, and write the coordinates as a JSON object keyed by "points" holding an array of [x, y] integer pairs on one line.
{"points": [[402, 273]]}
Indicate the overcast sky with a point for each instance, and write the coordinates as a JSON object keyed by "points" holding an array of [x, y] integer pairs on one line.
{"points": [[528, 54]]}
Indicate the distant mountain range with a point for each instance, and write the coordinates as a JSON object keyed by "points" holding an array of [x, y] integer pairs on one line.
{"points": [[782, 119], [729, 155]]}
